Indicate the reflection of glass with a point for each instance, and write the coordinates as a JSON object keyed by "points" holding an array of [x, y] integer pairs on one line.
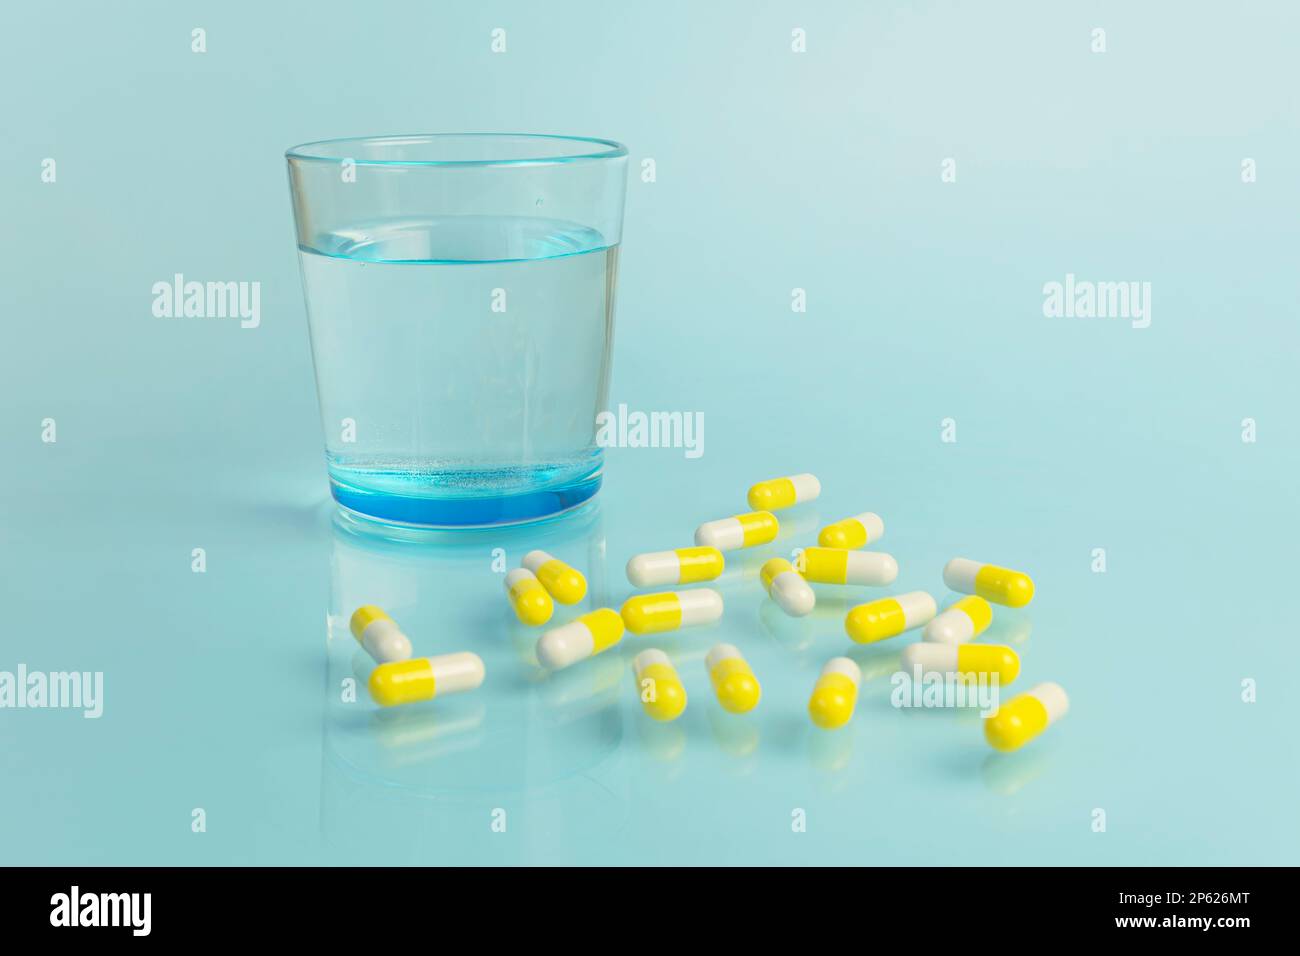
{"points": [[418, 783], [460, 294]]}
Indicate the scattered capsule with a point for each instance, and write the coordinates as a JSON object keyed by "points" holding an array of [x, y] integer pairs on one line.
{"points": [[889, 617], [423, 678], [683, 566], [960, 623], [669, 610], [379, 635], [532, 604], [734, 683], [840, 566], [977, 659], [565, 584], [999, 585], [661, 690], [1023, 718], [852, 533], [784, 492], [740, 531], [576, 641], [787, 587], [835, 694]]}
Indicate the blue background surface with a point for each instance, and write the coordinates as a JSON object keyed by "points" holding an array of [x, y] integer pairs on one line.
{"points": [[775, 170]]}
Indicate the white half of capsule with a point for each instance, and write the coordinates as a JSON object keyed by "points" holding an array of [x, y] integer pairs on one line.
{"points": [[930, 658], [806, 488], [454, 673], [654, 568], [720, 653], [873, 568], [845, 666], [515, 575], [535, 559], [959, 575], [953, 626], [725, 534], [564, 645], [385, 642], [1053, 698], [872, 523], [699, 606], [647, 658], [918, 608], [793, 594]]}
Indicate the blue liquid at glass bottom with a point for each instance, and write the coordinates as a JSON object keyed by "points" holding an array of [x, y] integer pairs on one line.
{"points": [[460, 365]]}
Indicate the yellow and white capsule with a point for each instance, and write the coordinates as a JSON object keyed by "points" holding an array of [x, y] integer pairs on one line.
{"points": [[787, 587], [734, 683], [379, 634], [781, 493], [669, 610], [530, 600], [835, 694], [565, 584], [423, 678], [740, 531], [853, 533], [576, 641], [841, 566], [889, 617], [683, 566], [978, 659], [999, 585], [661, 691], [1023, 718], [965, 620]]}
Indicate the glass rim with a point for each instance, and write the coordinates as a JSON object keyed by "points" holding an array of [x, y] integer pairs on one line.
{"points": [[585, 149]]}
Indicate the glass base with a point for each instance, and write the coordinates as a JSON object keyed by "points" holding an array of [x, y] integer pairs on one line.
{"points": [[416, 511]]}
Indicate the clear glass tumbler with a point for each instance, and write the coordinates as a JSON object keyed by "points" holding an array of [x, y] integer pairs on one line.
{"points": [[460, 298]]}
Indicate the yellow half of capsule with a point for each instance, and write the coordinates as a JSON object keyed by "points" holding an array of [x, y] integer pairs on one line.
{"points": [[566, 584], [770, 569], [533, 606], [759, 527], [977, 609], [606, 626], [1016, 723], [651, 613], [989, 659], [698, 564], [876, 621], [662, 693], [826, 565], [1004, 586], [402, 682], [364, 616], [772, 495], [735, 685], [833, 700], [849, 533]]}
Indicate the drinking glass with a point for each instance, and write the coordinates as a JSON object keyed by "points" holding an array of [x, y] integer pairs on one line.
{"points": [[460, 302]]}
